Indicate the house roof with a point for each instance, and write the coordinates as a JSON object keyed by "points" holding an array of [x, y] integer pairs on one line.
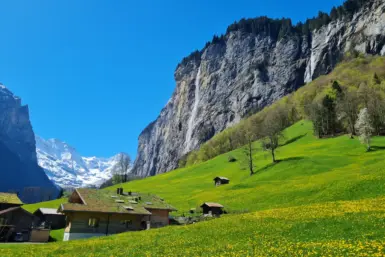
{"points": [[49, 211], [221, 178], [15, 209], [213, 205], [104, 201], [10, 198]]}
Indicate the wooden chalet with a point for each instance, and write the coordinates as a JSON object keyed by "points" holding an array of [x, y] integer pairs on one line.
{"points": [[221, 181], [92, 212], [50, 218], [16, 220], [212, 209]]}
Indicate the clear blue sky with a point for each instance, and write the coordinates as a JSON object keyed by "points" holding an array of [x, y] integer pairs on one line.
{"points": [[95, 73]]}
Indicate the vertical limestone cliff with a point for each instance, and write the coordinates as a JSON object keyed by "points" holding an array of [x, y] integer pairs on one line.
{"points": [[19, 171]]}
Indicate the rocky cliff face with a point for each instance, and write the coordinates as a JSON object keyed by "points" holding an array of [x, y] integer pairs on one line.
{"points": [[243, 73], [19, 171]]}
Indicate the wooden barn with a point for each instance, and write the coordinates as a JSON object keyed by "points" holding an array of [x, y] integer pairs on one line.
{"points": [[16, 220], [221, 181], [212, 209], [51, 218], [92, 213]]}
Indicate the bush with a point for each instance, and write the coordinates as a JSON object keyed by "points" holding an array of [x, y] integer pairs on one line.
{"points": [[231, 158]]}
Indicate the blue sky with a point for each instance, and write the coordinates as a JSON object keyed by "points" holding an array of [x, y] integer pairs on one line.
{"points": [[94, 73]]}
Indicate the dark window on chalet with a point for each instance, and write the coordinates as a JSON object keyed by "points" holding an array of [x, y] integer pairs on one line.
{"points": [[127, 223], [93, 222]]}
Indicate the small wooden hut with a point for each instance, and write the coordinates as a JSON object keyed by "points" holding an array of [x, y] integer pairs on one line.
{"points": [[51, 218], [221, 181], [212, 209]]}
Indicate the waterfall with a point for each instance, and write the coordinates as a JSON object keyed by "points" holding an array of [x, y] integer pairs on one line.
{"points": [[191, 122]]}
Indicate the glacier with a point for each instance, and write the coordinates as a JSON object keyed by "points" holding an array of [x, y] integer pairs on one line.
{"points": [[68, 169]]}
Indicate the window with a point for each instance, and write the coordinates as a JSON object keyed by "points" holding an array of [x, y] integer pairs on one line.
{"points": [[127, 223], [93, 222], [3, 221]]}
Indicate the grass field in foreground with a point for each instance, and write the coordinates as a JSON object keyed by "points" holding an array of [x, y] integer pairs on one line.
{"points": [[342, 228]]}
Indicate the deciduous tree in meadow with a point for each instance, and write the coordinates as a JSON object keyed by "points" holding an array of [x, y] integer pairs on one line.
{"points": [[347, 108], [249, 134], [364, 127], [272, 129]]}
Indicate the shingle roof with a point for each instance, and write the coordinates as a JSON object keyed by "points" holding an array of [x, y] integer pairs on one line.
{"points": [[8, 210], [49, 211], [14, 209], [10, 198], [108, 202], [221, 178], [213, 205]]}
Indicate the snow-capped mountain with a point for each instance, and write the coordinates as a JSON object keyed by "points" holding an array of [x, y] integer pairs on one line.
{"points": [[67, 168]]}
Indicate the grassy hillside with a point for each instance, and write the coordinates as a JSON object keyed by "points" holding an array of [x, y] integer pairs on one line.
{"points": [[325, 197], [310, 171]]}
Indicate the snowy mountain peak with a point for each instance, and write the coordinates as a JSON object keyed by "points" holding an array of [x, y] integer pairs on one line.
{"points": [[67, 168]]}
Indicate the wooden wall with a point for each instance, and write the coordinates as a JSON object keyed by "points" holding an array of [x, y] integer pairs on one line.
{"points": [[213, 210], [20, 219], [39, 235], [159, 218], [77, 222]]}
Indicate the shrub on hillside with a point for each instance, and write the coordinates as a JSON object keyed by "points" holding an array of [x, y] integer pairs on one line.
{"points": [[231, 158]]}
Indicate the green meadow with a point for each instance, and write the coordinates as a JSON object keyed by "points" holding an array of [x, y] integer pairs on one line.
{"points": [[325, 197], [310, 171]]}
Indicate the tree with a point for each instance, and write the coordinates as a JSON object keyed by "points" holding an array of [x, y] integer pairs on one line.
{"points": [[348, 111], [273, 125], [334, 14], [364, 127], [376, 111], [322, 113], [364, 93], [315, 113], [249, 134], [337, 88], [330, 115], [122, 168]]}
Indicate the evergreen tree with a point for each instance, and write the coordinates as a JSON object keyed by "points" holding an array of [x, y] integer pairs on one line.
{"points": [[334, 14]]}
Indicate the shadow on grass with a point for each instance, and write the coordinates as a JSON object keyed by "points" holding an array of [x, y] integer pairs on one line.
{"points": [[271, 165], [376, 148], [294, 139]]}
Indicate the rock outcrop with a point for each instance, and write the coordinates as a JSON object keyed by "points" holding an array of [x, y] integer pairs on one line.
{"points": [[244, 72], [19, 170]]}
